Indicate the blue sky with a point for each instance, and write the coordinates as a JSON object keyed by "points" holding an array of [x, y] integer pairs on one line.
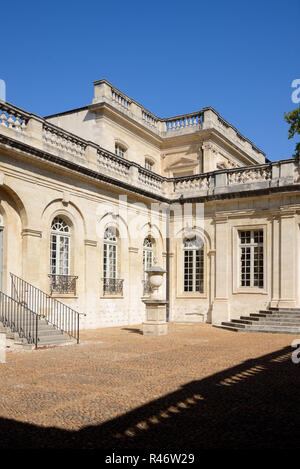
{"points": [[172, 56]]}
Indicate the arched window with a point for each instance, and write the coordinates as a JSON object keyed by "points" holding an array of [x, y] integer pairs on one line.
{"points": [[148, 259], [110, 253], [60, 247], [111, 284], [193, 265], [148, 255]]}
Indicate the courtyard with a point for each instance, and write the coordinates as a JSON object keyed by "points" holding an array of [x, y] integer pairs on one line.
{"points": [[197, 387]]}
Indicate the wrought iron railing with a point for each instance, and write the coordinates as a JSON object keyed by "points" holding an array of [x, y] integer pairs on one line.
{"points": [[147, 288], [63, 283], [61, 316], [113, 286], [19, 318]]}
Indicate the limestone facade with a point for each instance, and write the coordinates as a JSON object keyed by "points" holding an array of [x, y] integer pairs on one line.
{"points": [[89, 197]]}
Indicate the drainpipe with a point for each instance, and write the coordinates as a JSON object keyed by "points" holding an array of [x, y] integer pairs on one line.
{"points": [[168, 263]]}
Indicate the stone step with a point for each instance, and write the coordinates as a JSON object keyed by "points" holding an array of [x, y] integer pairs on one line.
{"points": [[281, 313], [55, 341], [275, 321], [291, 329]]}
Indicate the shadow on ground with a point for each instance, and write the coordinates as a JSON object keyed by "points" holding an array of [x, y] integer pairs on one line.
{"points": [[252, 405], [134, 331]]}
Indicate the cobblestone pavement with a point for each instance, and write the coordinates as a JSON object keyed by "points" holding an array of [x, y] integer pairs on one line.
{"points": [[197, 386]]}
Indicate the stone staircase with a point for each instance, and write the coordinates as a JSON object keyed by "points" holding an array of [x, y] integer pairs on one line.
{"points": [[48, 336], [272, 320]]}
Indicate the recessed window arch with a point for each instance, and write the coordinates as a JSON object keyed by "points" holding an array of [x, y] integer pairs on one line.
{"points": [[193, 260], [60, 246]]}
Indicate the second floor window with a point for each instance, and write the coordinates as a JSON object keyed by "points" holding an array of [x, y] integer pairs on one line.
{"points": [[251, 258], [149, 165], [119, 150]]}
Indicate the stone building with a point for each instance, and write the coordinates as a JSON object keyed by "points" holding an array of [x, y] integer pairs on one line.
{"points": [[89, 198]]}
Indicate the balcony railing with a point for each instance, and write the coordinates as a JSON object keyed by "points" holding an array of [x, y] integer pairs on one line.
{"points": [[113, 286], [63, 283]]}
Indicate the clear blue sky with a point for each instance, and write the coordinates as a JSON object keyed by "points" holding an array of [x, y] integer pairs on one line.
{"points": [[172, 56]]}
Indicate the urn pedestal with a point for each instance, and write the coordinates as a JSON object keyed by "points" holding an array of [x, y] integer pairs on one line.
{"points": [[155, 307]]}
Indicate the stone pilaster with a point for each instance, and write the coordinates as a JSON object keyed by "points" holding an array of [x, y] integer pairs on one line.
{"points": [[287, 259], [275, 262], [220, 308], [31, 268]]}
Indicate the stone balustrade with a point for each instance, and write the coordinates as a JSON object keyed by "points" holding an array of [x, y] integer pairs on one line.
{"points": [[13, 117], [120, 99], [45, 137], [112, 164], [192, 184], [186, 121], [149, 180], [249, 175], [205, 119], [63, 140], [149, 118]]}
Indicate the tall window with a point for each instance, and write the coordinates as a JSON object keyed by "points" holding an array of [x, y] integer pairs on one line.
{"points": [[119, 150], [149, 164], [110, 254], [252, 258], [193, 265], [60, 247], [148, 256]]}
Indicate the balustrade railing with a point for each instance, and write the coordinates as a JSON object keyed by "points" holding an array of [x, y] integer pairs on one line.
{"points": [[63, 283], [120, 99], [58, 314], [247, 175], [149, 118], [113, 164], [151, 180], [19, 318], [113, 286], [63, 141], [192, 183], [184, 122], [12, 117]]}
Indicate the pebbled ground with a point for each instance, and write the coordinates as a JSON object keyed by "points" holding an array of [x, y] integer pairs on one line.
{"points": [[198, 386]]}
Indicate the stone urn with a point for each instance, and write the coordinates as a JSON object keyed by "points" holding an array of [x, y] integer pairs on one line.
{"points": [[155, 306], [155, 277]]}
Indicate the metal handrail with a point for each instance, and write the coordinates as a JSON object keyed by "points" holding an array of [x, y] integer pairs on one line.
{"points": [[61, 316], [19, 318]]}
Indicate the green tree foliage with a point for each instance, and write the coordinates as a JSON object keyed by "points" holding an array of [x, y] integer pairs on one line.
{"points": [[293, 118]]}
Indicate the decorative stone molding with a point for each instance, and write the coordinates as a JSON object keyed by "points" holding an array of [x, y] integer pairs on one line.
{"points": [[30, 232], [90, 242], [133, 249]]}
